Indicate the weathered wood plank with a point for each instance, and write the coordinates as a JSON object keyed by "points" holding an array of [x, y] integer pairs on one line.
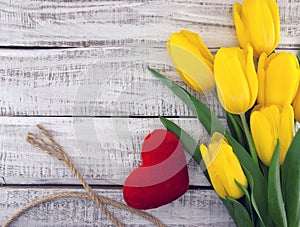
{"points": [[131, 22], [89, 82], [195, 208], [105, 150]]}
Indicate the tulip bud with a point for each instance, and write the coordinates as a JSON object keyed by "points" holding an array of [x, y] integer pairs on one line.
{"points": [[223, 167], [278, 78], [269, 124], [193, 60], [257, 23], [236, 79]]}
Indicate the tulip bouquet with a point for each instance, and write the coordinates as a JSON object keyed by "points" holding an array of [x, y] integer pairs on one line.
{"points": [[253, 163]]}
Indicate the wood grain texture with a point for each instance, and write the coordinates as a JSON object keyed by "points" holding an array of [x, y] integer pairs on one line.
{"points": [[103, 74], [131, 22], [89, 82], [105, 150], [195, 208]]}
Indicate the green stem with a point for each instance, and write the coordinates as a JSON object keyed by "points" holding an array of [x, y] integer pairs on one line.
{"points": [[236, 127], [249, 139]]}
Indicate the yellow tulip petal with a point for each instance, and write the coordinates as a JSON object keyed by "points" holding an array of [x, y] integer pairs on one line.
{"points": [[229, 169], [286, 131], [239, 26], [273, 7], [263, 136], [296, 102], [197, 42], [259, 21], [189, 81], [219, 171], [270, 58], [223, 167], [296, 61], [272, 114], [232, 86], [268, 124], [280, 65], [213, 173], [205, 155], [216, 182], [251, 77], [191, 42], [261, 76], [218, 138], [296, 106], [215, 146], [297, 68], [194, 70], [192, 59], [236, 167]]}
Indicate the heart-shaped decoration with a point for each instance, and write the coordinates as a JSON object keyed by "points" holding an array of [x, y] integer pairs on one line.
{"points": [[163, 175]]}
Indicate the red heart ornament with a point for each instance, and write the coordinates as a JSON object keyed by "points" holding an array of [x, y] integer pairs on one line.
{"points": [[163, 175]]}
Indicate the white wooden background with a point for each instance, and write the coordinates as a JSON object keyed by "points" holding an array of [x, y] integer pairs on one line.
{"points": [[79, 68]]}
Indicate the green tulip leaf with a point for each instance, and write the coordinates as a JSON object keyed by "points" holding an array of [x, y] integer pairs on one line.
{"points": [[232, 127], [257, 182], [247, 199], [238, 213], [251, 184], [275, 200], [298, 56], [207, 118], [189, 144], [230, 210], [291, 182]]}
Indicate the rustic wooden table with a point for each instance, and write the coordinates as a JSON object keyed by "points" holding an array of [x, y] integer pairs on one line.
{"points": [[79, 68]]}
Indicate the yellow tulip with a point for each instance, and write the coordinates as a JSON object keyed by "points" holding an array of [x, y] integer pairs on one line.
{"points": [[269, 124], [236, 79], [223, 167], [278, 78], [296, 106], [257, 23], [192, 59]]}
